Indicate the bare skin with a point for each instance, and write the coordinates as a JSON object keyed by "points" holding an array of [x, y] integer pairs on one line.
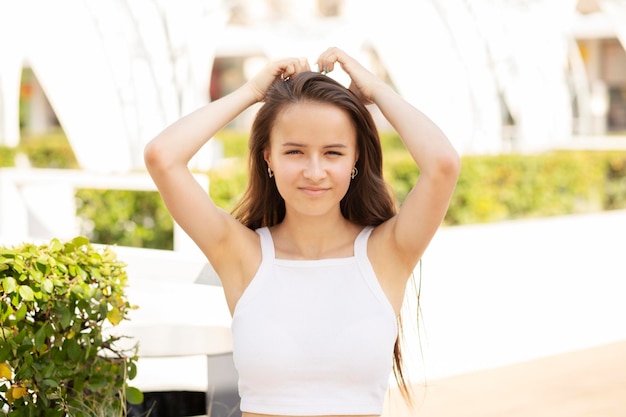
{"points": [[270, 415], [312, 152]]}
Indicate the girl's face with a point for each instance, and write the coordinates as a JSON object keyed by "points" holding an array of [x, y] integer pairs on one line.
{"points": [[312, 152]]}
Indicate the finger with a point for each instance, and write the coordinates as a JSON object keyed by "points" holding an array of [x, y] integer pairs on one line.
{"points": [[304, 64], [293, 66], [325, 65], [288, 70], [326, 61]]}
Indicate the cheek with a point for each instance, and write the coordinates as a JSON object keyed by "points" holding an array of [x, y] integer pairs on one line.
{"points": [[285, 175], [286, 168]]}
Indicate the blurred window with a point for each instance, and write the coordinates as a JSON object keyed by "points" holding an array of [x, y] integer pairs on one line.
{"points": [[329, 8]]}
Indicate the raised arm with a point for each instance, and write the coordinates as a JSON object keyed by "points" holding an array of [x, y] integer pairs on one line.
{"points": [[168, 154], [407, 235]]}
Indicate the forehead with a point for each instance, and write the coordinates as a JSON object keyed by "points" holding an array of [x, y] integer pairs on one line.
{"points": [[314, 123]]}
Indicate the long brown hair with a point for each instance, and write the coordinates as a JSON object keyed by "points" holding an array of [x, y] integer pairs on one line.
{"points": [[368, 201]]}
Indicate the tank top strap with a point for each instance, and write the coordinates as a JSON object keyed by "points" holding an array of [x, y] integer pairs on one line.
{"points": [[267, 244], [360, 243]]}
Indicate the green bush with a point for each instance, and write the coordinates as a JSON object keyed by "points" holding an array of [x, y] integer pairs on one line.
{"points": [[493, 188], [227, 184], [615, 181], [490, 188], [235, 143], [54, 358], [51, 150], [7, 156], [125, 218]]}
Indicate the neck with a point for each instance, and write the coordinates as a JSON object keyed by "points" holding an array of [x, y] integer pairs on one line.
{"points": [[314, 238]]}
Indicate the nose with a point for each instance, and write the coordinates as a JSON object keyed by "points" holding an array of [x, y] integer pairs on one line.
{"points": [[314, 169]]}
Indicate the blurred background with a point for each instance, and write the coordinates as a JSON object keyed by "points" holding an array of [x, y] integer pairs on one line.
{"points": [[532, 93], [85, 84]]}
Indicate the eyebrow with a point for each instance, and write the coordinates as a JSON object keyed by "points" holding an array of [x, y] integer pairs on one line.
{"points": [[301, 145]]}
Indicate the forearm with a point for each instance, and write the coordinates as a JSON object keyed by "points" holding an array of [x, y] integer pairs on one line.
{"points": [[181, 140], [428, 145]]}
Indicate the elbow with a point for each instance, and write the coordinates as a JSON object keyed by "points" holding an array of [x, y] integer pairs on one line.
{"points": [[449, 166], [150, 155], [155, 157]]}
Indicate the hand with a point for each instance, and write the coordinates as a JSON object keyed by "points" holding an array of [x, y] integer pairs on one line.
{"points": [[276, 70], [362, 82]]}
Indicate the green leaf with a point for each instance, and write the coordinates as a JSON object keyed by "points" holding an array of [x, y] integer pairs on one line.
{"points": [[96, 381], [26, 293], [79, 382], [40, 337], [49, 370], [47, 285], [66, 318], [9, 284], [115, 316], [24, 343], [35, 274], [56, 245], [78, 290], [20, 313], [6, 310], [5, 348], [44, 259], [134, 395], [80, 241], [50, 383], [73, 349], [132, 370]]}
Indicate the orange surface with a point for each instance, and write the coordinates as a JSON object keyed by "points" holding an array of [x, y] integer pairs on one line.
{"points": [[585, 383]]}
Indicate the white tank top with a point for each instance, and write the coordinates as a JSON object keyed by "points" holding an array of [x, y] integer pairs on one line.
{"points": [[314, 337]]}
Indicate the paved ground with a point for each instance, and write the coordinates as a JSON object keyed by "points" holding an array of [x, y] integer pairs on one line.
{"points": [[586, 383]]}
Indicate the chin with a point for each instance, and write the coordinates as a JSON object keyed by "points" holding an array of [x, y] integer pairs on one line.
{"points": [[314, 210]]}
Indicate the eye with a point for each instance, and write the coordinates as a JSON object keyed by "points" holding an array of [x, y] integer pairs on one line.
{"points": [[293, 152], [334, 153]]}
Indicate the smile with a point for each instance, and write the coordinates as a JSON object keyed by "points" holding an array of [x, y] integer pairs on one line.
{"points": [[313, 191]]}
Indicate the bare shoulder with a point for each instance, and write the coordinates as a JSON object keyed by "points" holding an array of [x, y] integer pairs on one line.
{"points": [[383, 248], [236, 252]]}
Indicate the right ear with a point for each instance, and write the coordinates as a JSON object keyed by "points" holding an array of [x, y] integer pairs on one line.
{"points": [[266, 156]]}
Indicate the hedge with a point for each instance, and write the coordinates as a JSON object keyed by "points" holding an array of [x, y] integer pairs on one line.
{"points": [[490, 188]]}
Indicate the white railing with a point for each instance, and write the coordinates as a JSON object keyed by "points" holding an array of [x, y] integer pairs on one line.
{"points": [[40, 203]]}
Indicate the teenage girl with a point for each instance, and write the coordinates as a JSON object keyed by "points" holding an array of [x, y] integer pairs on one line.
{"points": [[315, 258]]}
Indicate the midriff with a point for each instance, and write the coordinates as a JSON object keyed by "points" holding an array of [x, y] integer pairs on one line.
{"points": [[333, 415]]}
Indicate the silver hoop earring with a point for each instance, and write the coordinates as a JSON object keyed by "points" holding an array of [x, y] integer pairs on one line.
{"points": [[354, 173], [269, 172]]}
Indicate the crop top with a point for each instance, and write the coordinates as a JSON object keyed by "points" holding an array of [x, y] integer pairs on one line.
{"points": [[314, 337]]}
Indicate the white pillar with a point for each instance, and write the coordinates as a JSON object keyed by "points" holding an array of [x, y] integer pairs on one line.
{"points": [[11, 56], [13, 213]]}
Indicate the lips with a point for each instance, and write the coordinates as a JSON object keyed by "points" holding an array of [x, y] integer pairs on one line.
{"points": [[314, 191]]}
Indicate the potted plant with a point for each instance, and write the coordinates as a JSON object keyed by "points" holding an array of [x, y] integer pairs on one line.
{"points": [[55, 301]]}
